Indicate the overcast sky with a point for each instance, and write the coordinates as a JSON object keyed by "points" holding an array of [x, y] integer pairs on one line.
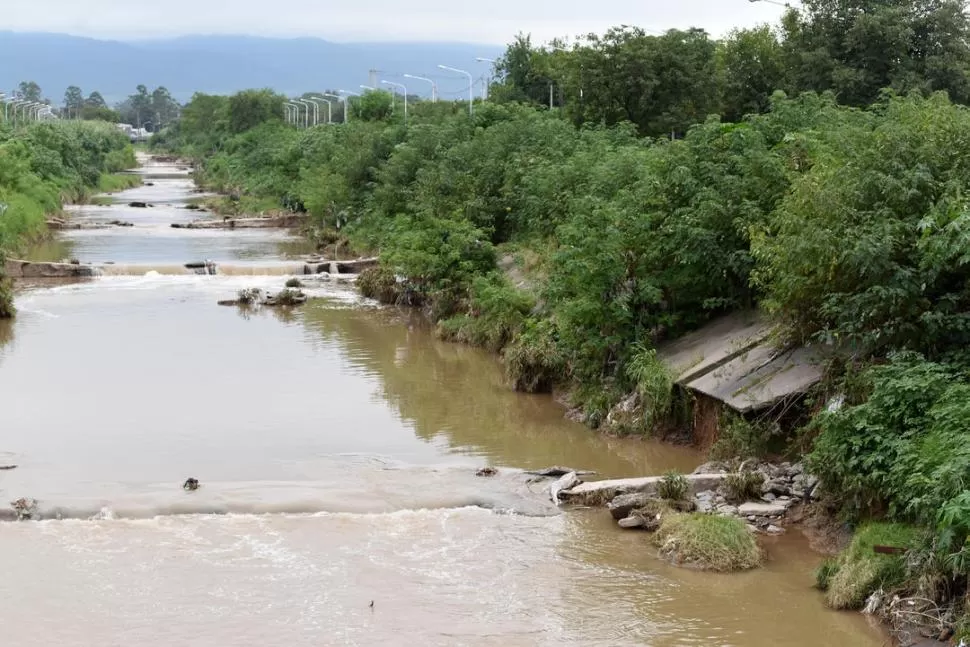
{"points": [[486, 21]]}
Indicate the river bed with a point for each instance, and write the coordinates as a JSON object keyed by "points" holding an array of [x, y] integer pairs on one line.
{"points": [[337, 446]]}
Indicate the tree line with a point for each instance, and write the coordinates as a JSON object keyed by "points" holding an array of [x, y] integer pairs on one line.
{"points": [[154, 110], [663, 84]]}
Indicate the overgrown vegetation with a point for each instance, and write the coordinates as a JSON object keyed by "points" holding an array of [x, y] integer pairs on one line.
{"points": [[43, 165], [743, 486], [676, 179], [707, 541]]}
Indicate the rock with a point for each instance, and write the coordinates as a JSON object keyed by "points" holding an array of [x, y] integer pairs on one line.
{"points": [[714, 467], [486, 471], [797, 469], [752, 509], [228, 302], [631, 522], [7, 467], [774, 530], [704, 505], [803, 485], [138, 205], [191, 484], [727, 510], [768, 498], [624, 504], [776, 486], [567, 482], [683, 506]]}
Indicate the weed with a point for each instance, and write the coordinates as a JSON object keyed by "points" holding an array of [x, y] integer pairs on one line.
{"points": [[708, 542], [859, 570], [743, 486], [294, 283], [673, 487], [654, 382], [380, 283]]}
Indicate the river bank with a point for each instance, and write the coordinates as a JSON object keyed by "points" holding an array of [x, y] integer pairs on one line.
{"points": [[335, 442]]}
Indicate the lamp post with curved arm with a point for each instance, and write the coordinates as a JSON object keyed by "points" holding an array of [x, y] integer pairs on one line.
{"points": [[306, 115], [347, 102], [487, 81], [471, 85], [338, 98], [434, 86], [329, 107]]}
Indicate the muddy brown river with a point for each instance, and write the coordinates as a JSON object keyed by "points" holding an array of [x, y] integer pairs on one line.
{"points": [[336, 445]]}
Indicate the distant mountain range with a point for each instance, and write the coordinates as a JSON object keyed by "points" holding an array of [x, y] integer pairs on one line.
{"points": [[226, 64]]}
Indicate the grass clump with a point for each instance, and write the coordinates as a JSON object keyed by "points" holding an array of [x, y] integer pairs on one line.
{"points": [[380, 283], [294, 283], [742, 486], [708, 542], [654, 383], [859, 570], [289, 297], [673, 487], [249, 296], [496, 315], [533, 361]]}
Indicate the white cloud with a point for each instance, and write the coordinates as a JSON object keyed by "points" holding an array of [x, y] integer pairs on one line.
{"points": [[491, 21]]}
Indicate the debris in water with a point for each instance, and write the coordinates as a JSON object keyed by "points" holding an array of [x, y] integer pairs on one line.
{"points": [[486, 471], [25, 508], [371, 605], [190, 484], [8, 467]]}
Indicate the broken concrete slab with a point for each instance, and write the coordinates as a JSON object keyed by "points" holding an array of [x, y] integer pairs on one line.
{"points": [[602, 492]]}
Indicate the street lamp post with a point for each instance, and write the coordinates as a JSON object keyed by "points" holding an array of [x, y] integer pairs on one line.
{"points": [[296, 113], [306, 115], [405, 90], [329, 103], [316, 110], [471, 86], [346, 103], [487, 81], [434, 86], [338, 98]]}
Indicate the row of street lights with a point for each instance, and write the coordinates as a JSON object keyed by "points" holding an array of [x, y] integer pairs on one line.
{"points": [[33, 110], [293, 108]]}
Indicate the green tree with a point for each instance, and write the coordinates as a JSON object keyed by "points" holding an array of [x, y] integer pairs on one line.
{"points": [[251, 108], [752, 66], [523, 71], [73, 101], [30, 91], [662, 84], [95, 100], [856, 48]]}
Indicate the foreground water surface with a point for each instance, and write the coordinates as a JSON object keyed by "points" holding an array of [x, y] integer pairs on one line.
{"points": [[337, 446]]}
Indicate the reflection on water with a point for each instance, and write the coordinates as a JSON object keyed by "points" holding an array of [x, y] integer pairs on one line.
{"points": [[457, 393]]}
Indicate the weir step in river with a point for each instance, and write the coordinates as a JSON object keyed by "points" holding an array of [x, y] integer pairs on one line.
{"points": [[336, 445]]}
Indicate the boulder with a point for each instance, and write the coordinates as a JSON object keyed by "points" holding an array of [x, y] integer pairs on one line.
{"points": [[621, 506], [138, 205], [714, 467], [632, 522], [752, 509]]}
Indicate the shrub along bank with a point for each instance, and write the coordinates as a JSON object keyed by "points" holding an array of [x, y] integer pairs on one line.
{"points": [[574, 251], [42, 166]]}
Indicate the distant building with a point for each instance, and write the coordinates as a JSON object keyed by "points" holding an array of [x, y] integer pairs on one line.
{"points": [[134, 134]]}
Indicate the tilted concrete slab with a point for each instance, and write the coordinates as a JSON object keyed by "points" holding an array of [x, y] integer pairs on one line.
{"points": [[703, 350], [735, 360], [602, 492]]}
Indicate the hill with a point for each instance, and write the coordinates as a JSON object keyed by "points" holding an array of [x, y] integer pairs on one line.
{"points": [[225, 64]]}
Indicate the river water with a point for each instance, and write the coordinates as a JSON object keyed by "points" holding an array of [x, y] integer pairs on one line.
{"points": [[336, 445]]}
